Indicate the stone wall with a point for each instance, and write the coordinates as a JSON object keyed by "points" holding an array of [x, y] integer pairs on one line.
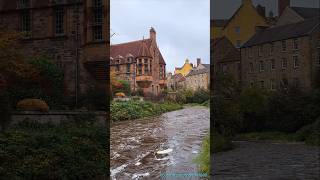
{"points": [[55, 117]]}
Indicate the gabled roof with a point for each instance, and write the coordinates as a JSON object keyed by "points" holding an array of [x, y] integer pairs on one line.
{"points": [[224, 51], [179, 77], [198, 71], [206, 65], [218, 22], [307, 13], [136, 48], [288, 31], [236, 12]]}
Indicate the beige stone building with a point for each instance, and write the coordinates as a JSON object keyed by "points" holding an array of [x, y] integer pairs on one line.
{"points": [[72, 33], [140, 63], [282, 56], [199, 77]]}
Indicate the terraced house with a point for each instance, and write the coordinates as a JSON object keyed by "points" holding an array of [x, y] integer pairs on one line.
{"points": [[282, 56], [71, 33], [140, 63]]}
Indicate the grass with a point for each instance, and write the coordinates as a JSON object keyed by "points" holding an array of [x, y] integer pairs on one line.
{"points": [[203, 159]]}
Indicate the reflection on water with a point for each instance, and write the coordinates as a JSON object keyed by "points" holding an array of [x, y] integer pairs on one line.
{"points": [[134, 145]]}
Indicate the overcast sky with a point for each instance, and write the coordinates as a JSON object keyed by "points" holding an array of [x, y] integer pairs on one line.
{"points": [[222, 9], [182, 26]]}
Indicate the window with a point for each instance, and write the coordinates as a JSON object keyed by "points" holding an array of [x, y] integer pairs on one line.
{"points": [[262, 84], [295, 61], [272, 84], [295, 44], [251, 69], [284, 63], [25, 22], [260, 50], [284, 45], [59, 20], [261, 66], [318, 42], [98, 20], [251, 84], [250, 52], [318, 59], [273, 64], [284, 83], [224, 68], [237, 29], [117, 67], [271, 48], [296, 82], [128, 68], [238, 45]]}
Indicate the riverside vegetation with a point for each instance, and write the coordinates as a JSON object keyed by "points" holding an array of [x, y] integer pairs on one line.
{"points": [[73, 150], [288, 114]]}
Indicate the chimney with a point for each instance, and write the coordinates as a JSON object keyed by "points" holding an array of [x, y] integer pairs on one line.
{"points": [[282, 4], [261, 10], [153, 34], [246, 2], [198, 61]]}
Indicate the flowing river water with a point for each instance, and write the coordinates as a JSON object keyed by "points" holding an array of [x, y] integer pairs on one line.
{"points": [[134, 145]]}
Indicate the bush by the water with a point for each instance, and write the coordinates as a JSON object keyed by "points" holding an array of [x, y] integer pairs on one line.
{"points": [[129, 110], [44, 151], [199, 96], [255, 110]]}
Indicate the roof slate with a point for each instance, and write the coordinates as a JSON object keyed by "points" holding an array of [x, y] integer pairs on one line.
{"points": [[288, 31], [307, 12]]}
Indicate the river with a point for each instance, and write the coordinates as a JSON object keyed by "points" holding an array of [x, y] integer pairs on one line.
{"points": [[134, 145]]}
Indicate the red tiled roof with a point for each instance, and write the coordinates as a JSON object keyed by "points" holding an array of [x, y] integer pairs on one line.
{"points": [[136, 48]]}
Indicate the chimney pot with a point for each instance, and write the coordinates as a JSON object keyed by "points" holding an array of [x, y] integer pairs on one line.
{"points": [[282, 4], [198, 61]]}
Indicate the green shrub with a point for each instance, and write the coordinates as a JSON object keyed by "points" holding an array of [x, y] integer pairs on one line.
{"points": [[221, 143], [129, 110], [44, 151], [310, 133], [200, 96]]}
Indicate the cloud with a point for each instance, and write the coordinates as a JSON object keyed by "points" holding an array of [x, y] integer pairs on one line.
{"points": [[183, 26]]}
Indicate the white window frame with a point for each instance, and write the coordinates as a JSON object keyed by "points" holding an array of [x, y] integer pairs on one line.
{"points": [[295, 44], [283, 45]]}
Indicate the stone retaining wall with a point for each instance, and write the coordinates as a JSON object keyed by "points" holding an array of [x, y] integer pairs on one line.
{"points": [[55, 117]]}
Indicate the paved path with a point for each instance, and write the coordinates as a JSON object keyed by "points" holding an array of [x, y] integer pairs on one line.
{"points": [[267, 161]]}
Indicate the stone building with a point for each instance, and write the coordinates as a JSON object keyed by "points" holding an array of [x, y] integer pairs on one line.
{"points": [[282, 56], [175, 81], [289, 14], [226, 58], [72, 33], [140, 63], [198, 77]]}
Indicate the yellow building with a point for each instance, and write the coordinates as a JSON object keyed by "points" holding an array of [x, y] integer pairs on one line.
{"points": [[216, 28], [242, 25], [185, 69]]}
